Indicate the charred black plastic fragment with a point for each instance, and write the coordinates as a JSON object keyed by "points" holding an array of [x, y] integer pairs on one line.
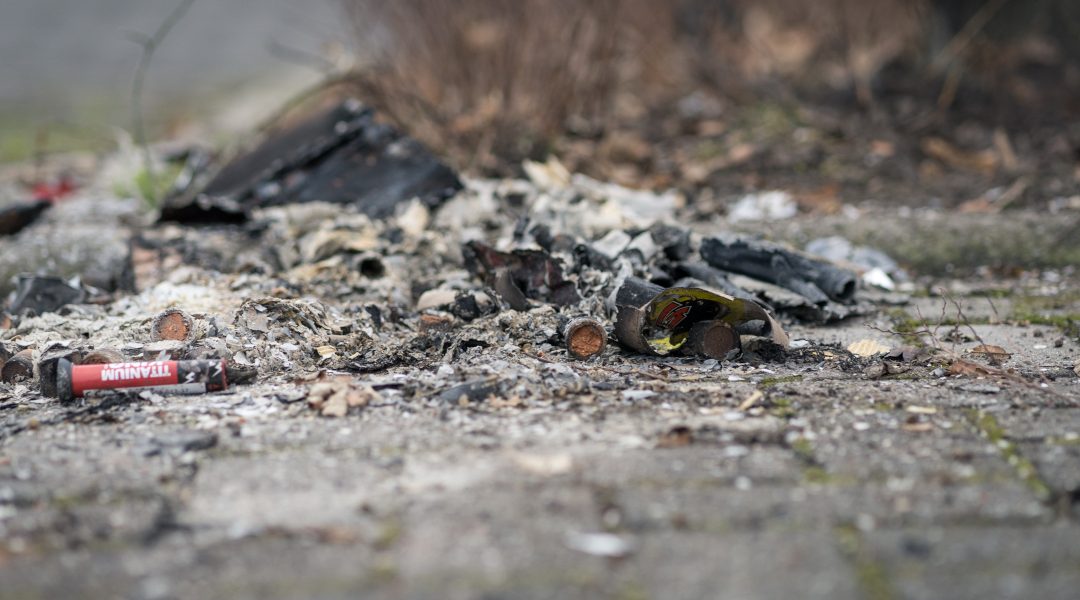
{"points": [[532, 273], [39, 294], [17, 216], [341, 156], [817, 280]]}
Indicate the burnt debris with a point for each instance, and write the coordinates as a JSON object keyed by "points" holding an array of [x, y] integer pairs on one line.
{"points": [[585, 337], [656, 320], [37, 294], [817, 280], [342, 156], [521, 274], [19, 215], [340, 245]]}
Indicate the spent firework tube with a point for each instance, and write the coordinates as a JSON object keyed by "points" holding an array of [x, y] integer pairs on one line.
{"points": [[167, 376]]}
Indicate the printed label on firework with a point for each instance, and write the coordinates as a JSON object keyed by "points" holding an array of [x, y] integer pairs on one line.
{"points": [[673, 311], [123, 375], [125, 371], [673, 314]]}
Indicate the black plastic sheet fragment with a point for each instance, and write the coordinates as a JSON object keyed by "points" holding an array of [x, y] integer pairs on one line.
{"points": [[817, 280], [341, 156]]}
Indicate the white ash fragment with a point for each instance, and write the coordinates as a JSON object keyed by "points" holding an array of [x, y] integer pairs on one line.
{"points": [[550, 174], [764, 206], [414, 219], [612, 244], [435, 298]]}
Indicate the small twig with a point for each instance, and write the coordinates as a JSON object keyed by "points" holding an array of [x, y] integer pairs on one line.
{"points": [[954, 357], [930, 334], [751, 400], [541, 358], [303, 96], [997, 316], [642, 372], [949, 88], [967, 33], [300, 57], [934, 339], [149, 45], [902, 334], [962, 318], [956, 46]]}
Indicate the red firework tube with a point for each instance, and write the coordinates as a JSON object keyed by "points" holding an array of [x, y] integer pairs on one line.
{"points": [[167, 376]]}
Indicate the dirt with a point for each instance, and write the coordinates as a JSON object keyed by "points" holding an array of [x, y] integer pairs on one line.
{"points": [[838, 486], [403, 424], [391, 451]]}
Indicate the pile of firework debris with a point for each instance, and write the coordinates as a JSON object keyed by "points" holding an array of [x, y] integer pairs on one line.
{"points": [[339, 245]]}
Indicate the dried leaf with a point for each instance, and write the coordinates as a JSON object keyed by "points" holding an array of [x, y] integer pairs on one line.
{"points": [[336, 406], [977, 205], [676, 437], [361, 396], [882, 148], [335, 397], [511, 402], [985, 161], [995, 355], [825, 200], [967, 369], [867, 348]]}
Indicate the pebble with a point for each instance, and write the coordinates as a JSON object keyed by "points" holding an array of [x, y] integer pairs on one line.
{"points": [[637, 394], [980, 388], [607, 545]]}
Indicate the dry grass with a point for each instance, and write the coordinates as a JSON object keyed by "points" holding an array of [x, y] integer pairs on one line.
{"points": [[490, 77], [488, 82]]}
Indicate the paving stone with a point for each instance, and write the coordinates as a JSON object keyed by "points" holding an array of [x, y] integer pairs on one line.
{"points": [[979, 562]]}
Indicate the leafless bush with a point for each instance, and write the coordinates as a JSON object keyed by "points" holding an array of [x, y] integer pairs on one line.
{"points": [[841, 43], [488, 82], [489, 77]]}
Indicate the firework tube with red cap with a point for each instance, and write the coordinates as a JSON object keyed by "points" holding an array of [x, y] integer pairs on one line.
{"points": [[165, 376]]}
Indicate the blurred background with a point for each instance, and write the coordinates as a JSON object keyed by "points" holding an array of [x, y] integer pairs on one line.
{"points": [[66, 66], [964, 103]]}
